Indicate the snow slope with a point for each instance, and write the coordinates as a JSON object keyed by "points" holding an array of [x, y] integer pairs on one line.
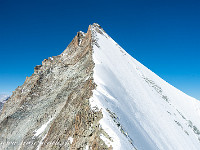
{"points": [[140, 110]]}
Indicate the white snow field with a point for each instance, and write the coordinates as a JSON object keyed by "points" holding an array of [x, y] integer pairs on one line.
{"points": [[140, 110]]}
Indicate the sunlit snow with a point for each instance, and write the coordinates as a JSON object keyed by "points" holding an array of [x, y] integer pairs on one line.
{"points": [[70, 139], [140, 110], [42, 128]]}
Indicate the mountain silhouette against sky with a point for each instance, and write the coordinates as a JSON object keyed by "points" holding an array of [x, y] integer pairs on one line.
{"points": [[94, 95]]}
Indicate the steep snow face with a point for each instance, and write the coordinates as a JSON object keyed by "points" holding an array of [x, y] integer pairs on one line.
{"points": [[140, 110]]}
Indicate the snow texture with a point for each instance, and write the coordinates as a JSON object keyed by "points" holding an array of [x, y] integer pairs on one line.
{"points": [[42, 128], [87, 147], [140, 110], [70, 139]]}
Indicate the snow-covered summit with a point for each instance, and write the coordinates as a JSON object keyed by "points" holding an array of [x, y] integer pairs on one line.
{"points": [[140, 109], [94, 95]]}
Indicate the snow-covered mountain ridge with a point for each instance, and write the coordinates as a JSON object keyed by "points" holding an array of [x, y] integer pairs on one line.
{"points": [[95, 96], [151, 113]]}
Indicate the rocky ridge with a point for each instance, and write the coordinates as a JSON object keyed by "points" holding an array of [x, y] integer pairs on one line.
{"points": [[95, 95], [51, 110]]}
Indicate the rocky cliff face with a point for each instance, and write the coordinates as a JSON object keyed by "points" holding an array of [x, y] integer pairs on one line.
{"points": [[51, 109]]}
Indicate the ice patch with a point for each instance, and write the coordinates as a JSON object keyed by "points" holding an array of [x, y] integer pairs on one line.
{"points": [[42, 128], [107, 141], [70, 139]]}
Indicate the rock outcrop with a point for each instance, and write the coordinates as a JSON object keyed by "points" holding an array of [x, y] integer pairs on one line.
{"points": [[51, 109]]}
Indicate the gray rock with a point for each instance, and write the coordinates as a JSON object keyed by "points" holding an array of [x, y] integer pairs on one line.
{"points": [[53, 104]]}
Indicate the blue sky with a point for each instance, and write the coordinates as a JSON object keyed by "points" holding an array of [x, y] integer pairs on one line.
{"points": [[163, 35]]}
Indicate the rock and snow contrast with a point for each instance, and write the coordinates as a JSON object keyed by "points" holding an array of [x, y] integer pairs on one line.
{"points": [[96, 96]]}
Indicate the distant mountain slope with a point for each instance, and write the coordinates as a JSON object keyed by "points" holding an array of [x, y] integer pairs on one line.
{"points": [[95, 96], [3, 99]]}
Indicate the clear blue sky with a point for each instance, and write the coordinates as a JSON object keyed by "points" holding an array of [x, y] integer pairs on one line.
{"points": [[163, 35]]}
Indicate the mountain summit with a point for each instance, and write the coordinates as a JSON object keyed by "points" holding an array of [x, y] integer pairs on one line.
{"points": [[94, 95]]}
